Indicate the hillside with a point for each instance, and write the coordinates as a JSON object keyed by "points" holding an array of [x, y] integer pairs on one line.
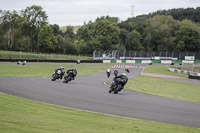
{"points": [[76, 27], [178, 14]]}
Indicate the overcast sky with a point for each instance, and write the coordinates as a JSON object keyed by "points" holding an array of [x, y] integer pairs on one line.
{"points": [[76, 12]]}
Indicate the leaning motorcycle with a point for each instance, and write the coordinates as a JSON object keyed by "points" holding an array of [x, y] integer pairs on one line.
{"points": [[108, 74], [68, 77], [56, 75], [115, 73], [116, 87]]}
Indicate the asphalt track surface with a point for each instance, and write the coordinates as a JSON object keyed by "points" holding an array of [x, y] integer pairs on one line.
{"points": [[89, 93]]}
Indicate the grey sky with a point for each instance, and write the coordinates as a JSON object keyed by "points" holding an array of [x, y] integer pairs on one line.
{"points": [[76, 12]]}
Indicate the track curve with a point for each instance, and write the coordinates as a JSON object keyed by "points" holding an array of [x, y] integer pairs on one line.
{"points": [[89, 93]]}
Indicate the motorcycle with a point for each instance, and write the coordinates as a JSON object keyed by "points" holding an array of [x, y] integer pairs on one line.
{"points": [[127, 70], [68, 77], [115, 73], [116, 87], [108, 74], [56, 75]]}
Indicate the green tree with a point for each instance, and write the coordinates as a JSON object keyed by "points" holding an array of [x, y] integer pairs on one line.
{"points": [[34, 19], [108, 18], [56, 30], [69, 46], [85, 47], [188, 39], [10, 25], [47, 40], [133, 41], [69, 32], [102, 34], [123, 36], [106, 33], [159, 35]]}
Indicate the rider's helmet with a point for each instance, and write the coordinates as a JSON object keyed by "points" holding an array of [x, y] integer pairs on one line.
{"points": [[62, 67], [108, 70], [116, 71], [124, 74]]}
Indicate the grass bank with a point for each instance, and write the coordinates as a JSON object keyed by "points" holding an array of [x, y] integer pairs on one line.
{"points": [[24, 55], [20, 115]]}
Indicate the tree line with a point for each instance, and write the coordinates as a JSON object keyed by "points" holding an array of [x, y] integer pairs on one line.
{"points": [[29, 30]]}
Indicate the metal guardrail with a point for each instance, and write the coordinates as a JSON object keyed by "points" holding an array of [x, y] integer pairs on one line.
{"points": [[63, 61], [145, 54]]}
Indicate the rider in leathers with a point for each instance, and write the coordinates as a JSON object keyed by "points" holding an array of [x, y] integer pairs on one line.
{"points": [[74, 71], [62, 71], [123, 77]]}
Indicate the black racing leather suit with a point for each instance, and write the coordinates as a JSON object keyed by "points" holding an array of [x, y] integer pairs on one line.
{"points": [[73, 71], [123, 77]]}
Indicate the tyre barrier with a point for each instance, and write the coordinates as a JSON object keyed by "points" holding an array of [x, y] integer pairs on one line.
{"points": [[191, 75]]}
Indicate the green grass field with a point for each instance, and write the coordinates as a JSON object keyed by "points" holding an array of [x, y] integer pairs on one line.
{"points": [[24, 116]]}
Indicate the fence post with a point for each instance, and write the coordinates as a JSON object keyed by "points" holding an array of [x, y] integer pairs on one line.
{"points": [[147, 53], [124, 53], [115, 54], [94, 54]]}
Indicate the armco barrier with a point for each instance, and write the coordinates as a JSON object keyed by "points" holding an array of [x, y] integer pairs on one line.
{"points": [[156, 61], [146, 61], [166, 61], [187, 62], [197, 62], [130, 61], [177, 61], [119, 61], [153, 61], [138, 61], [61, 61], [112, 61], [105, 61]]}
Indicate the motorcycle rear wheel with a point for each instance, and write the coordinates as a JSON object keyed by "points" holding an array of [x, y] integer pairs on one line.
{"points": [[117, 89], [67, 79]]}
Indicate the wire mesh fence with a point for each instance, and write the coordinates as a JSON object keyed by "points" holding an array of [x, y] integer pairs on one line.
{"points": [[116, 54]]}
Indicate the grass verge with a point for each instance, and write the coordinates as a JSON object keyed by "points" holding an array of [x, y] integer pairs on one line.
{"points": [[163, 70], [46, 70], [20, 115], [23, 55], [164, 88]]}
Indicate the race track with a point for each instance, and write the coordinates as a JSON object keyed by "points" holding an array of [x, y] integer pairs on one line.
{"points": [[89, 93]]}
